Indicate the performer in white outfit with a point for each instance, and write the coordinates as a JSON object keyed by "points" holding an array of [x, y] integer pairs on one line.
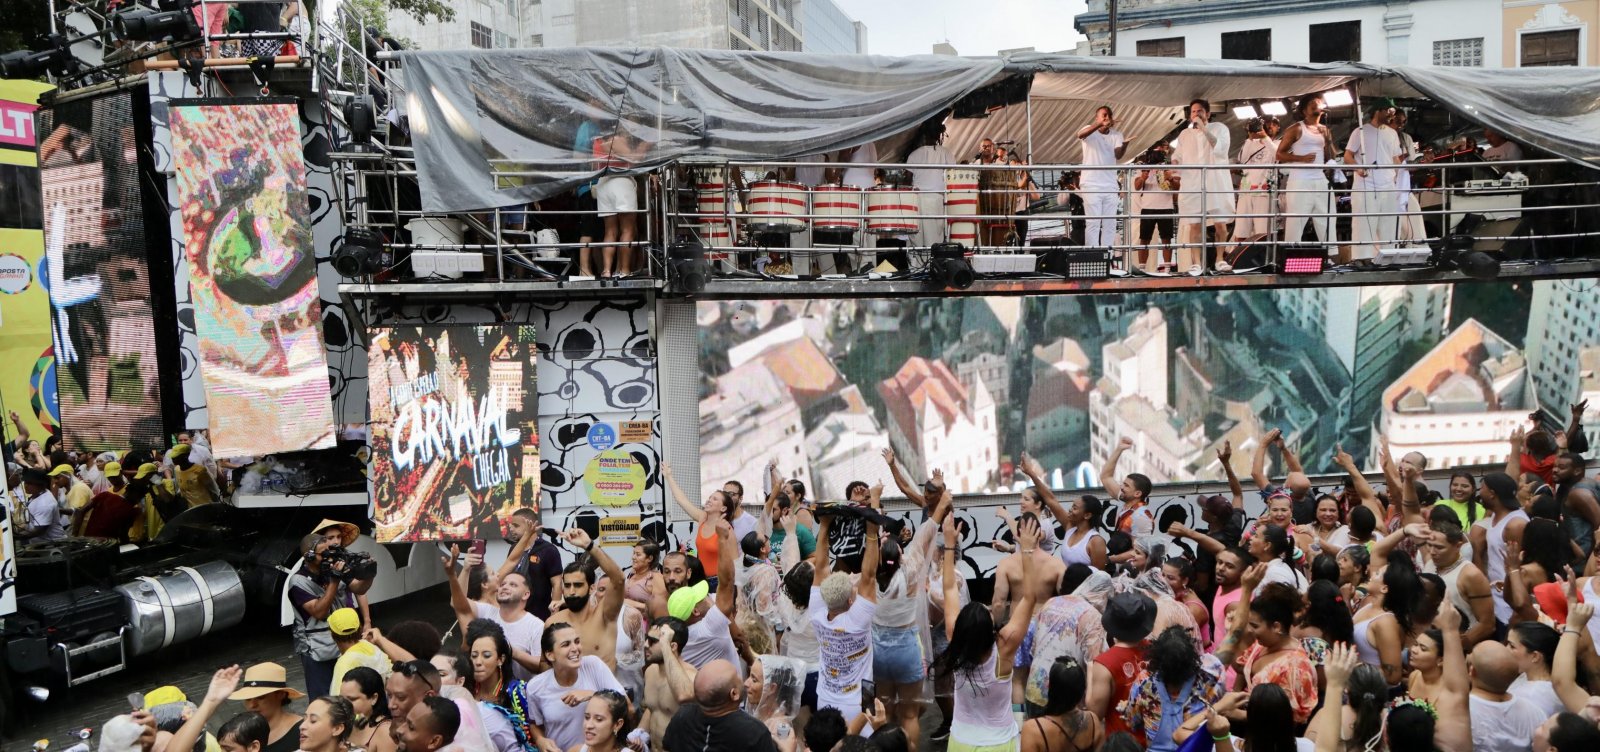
{"points": [[1103, 145], [1202, 143], [1411, 227], [1255, 186], [930, 181], [1374, 199], [1305, 190]]}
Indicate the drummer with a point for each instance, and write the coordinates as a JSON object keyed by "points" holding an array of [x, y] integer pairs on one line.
{"points": [[929, 181]]}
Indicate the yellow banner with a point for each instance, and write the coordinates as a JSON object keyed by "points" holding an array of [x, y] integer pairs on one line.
{"points": [[27, 360]]}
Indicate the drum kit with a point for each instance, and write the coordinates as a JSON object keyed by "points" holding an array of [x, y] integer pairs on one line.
{"points": [[837, 211]]}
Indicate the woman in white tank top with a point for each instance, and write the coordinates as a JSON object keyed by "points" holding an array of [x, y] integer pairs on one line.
{"points": [[1083, 543], [1306, 190]]}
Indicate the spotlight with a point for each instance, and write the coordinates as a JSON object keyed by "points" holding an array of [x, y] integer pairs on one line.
{"points": [[361, 253], [1337, 98], [173, 23], [1301, 259], [361, 119], [1244, 111], [1477, 264], [949, 267], [1274, 107], [30, 64], [687, 264]]}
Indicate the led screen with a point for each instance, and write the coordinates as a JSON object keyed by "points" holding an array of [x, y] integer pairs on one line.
{"points": [[454, 429], [967, 385], [27, 356], [241, 185], [97, 275]]}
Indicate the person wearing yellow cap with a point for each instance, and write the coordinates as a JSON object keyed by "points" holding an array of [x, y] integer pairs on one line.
{"points": [[345, 624], [108, 514], [190, 481], [73, 493], [140, 492]]}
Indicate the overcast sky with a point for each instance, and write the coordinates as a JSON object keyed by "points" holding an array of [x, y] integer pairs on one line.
{"points": [[975, 27]]}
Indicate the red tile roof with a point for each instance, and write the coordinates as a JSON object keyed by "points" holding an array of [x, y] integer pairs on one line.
{"points": [[919, 384]]}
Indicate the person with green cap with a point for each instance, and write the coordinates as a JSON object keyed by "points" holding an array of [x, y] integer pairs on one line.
{"points": [[710, 620], [1375, 200]]}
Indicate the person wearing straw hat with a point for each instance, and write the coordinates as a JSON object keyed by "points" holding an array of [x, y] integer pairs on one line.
{"points": [[264, 689], [316, 593]]}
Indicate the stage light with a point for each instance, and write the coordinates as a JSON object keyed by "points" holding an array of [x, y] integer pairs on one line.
{"points": [[30, 64], [1337, 98], [1477, 264], [1306, 259], [361, 253], [361, 120], [687, 264], [949, 267], [1244, 111], [1274, 108], [1077, 263], [173, 23]]}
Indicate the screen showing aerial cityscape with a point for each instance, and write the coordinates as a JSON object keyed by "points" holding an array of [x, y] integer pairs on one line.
{"points": [[966, 385]]}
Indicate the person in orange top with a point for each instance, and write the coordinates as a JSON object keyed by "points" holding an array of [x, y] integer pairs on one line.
{"points": [[717, 506]]}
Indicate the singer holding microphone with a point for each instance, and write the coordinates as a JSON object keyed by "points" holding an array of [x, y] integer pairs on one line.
{"points": [[1202, 143]]}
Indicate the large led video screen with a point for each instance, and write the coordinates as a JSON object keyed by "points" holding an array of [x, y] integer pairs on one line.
{"points": [[967, 385], [454, 429], [97, 274], [241, 185]]}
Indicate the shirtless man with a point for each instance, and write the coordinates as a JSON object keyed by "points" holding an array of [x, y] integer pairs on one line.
{"points": [[596, 622], [1047, 571], [668, 679]]}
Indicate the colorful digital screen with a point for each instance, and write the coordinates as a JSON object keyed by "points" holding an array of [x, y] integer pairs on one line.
{"points": [[97, 275], [454, 429], [967, 385], [27, 355], [241, 186]]}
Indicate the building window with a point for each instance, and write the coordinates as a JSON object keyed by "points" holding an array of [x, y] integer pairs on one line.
{"points": [[1255, 44], [482, 36], [1548, 48], [1169, 47], [502, 40], [1336, 42], [537, 40], [1459, 53]]}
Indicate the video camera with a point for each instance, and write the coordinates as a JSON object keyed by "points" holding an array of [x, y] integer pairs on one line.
{"points": [[348, 566]]}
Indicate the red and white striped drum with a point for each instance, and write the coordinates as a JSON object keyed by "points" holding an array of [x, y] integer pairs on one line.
{"points": [[961, 199], [777, 206], [837, 207], [711, 202], [892, 210]]}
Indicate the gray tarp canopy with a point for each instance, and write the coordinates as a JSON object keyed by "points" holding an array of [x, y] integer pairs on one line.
{"points": [[473, 112]]}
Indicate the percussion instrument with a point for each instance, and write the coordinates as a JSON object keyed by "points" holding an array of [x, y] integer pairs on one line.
{"points": [[711, 202], [961, 199], [777, 206], [891, 210], [837, 207]]}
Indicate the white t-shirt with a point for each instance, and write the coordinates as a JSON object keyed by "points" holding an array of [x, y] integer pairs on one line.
{"points": [[1100, 149], [1278, 571], [743, 525], [1371, 145], [844, 646], [929, 179], [523, 634], [44, 516], [710, 639], [1257, 151], [561, 722], [1541, 693], [861, 177], [1504, 726]]}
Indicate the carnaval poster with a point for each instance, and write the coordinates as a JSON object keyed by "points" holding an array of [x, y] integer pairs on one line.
{"points": [[454, 429], [27, 357], [241, 184]]}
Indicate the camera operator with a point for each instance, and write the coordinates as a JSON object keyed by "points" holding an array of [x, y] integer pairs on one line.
{"points": [[328, 579]]}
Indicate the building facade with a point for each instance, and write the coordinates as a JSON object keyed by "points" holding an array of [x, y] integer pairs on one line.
{"points": [[1538, 33], [825, 28], [1458, 403], [1419, 32], [1563, 321], [935, 423], [701, 24]]}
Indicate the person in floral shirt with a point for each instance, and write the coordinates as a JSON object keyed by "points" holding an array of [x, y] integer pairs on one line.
{"points": [[1178, 681]]}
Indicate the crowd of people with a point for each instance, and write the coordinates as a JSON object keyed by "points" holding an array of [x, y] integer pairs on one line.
{"points": [[1350, 618]]}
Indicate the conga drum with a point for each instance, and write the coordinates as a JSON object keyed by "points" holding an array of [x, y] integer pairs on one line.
{"points": [[837, 208], [961, 199], [892, 210], [777, 206], [711, 203]]}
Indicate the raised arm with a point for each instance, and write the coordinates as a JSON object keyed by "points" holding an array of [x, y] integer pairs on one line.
{"points": [[727, 590], [689, 508], [1452, 701], [612, 605], [1391, 474], [867, 583], [1258, 464], [952, 586], [1204, 542], [1382, 546], [1290, 459], [459, 603], [679, 681], [820, 560], [1576, 440], [1358, 482], [519, 553], [1329, 725], [1236, 641], [1108, 474], [1564, 674], [1514, 457], [901, 482], [1017, 626], [1225, 456], [1035, 473], [223, 683]]}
